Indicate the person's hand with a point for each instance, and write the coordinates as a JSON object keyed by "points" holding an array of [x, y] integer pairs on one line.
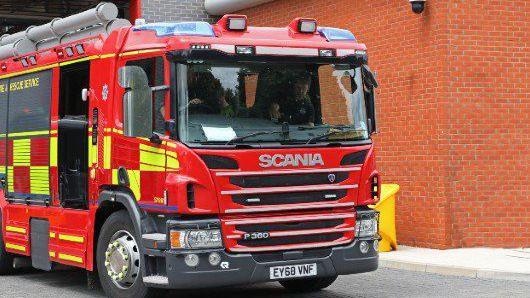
{"points": [[196, 101]]}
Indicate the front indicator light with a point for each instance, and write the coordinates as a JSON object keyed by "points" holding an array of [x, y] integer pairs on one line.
{"points": [[196, 239]]}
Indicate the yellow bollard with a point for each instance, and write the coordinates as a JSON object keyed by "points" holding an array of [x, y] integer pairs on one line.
{"points": [[387, 217]]}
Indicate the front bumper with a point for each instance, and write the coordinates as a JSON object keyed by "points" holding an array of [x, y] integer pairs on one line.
{"points": [[242, 269]]}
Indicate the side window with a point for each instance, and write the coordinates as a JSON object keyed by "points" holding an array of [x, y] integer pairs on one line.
{"points": [[154, 68]]}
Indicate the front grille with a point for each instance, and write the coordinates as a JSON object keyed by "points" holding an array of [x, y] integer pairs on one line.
{"points": [[289, 198], [291, 240], [284, 233], [289, 180], [291, 226], [309, 200]]}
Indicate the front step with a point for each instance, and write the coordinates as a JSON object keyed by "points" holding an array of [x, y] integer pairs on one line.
{"points": [[154, 241], [156, 280]]}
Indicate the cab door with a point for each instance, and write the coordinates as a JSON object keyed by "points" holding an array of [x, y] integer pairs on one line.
{"points": [[72, 142]]}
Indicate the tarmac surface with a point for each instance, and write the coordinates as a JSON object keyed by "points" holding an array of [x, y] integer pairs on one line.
{"points": [[383, 283]]}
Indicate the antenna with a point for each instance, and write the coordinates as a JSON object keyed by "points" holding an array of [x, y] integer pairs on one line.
{"points": [[99, 20]]}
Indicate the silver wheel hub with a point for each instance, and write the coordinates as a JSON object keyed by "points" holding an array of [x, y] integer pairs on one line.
{"points": [[122, 259]]}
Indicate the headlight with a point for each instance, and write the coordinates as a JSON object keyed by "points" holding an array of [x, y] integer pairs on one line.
{"points": [[366, 227], [196, 239]]}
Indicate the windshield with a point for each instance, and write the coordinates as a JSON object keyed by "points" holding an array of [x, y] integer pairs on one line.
{"points": [[232, 103]]}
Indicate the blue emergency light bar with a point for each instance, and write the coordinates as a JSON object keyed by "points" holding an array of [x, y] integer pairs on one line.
{"points": [[335, 34], [182, 28]]}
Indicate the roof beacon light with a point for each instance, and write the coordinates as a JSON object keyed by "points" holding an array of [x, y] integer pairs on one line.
{"points": [[237, 23], [303, 25], [182, 28], [307, 26], [335, 34]]}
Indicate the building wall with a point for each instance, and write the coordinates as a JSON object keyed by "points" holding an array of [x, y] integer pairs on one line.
{"points": [[175, 10], [453, 111]]}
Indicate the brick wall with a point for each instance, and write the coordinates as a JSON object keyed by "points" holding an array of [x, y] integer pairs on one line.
{"points": [[175, 10], [453, 111]]}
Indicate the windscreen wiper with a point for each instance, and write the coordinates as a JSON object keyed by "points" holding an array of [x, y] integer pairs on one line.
{"points": [[255, 134], [335, 131]]}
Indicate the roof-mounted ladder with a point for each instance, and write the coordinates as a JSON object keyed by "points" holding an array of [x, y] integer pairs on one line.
{"points": [[99, 20]]}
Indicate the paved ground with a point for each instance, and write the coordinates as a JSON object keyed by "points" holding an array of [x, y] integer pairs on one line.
{"points": [[509, 264], [382, 283]]}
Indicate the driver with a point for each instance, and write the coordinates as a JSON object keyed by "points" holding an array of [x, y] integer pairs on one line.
{"points": [[299, 109], [205, 92]]}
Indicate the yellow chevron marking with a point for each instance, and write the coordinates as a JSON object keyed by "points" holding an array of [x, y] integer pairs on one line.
{"points": [[52, 254], [53, 151], [39, 180], [70, 258], [15, 230], [134, 180], [70, 238], [22, 152], [152, 159], [29, 133], [52, 234], [10, 175], [172, 163], [16, 247], [151, 149], [107, 146]]}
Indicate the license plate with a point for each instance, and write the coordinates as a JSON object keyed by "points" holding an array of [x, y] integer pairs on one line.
{"points": [[291, 271]]}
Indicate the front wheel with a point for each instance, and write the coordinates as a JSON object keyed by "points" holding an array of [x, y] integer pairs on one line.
{"points": [[306, 285], [119, 259]]}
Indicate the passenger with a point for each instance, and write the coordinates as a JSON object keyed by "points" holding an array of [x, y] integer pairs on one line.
{"points": [[274, 112], [299, 109], [205, 92]]}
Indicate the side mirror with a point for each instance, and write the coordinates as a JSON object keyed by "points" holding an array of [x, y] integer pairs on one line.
{"points": [[369, 77], [370, 83], [137, 102]]}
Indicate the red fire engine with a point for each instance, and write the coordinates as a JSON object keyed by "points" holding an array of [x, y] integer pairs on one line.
{"points": [[187, 155]]}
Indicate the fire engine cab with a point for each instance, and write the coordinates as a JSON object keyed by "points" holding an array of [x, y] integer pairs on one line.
{"points": [[187, 155]]}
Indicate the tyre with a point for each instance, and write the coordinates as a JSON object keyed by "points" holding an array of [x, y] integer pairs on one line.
{"points": [[6, 259], [119, 259], [308, 284]]}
